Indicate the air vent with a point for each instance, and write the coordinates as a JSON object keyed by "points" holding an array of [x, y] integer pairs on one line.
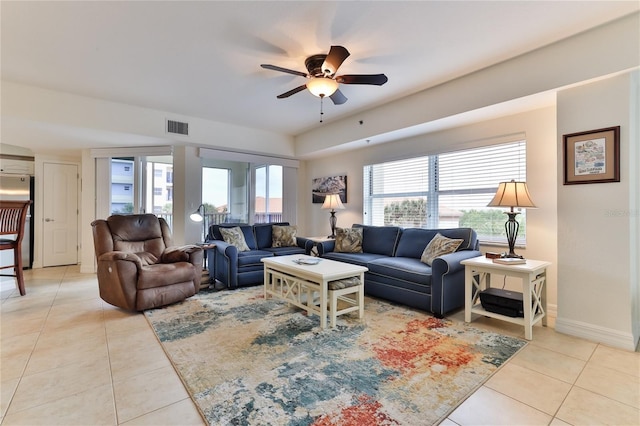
{"points": [[177, 127]]}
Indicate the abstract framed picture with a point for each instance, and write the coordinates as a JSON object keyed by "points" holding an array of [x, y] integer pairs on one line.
{"points": [[592, 156], [320, 187]]}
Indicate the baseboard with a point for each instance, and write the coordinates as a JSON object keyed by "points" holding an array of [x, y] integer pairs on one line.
{"points": [[607, 336], [552, 311]]}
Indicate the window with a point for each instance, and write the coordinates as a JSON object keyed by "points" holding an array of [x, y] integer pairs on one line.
{"points": [[169, 194], [447, 190], [157, 191], [157, 172], [268, 201]]}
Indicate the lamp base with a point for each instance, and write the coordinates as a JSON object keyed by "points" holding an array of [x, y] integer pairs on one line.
{"points": [[512, 256], [332, 221], [511, 227]]}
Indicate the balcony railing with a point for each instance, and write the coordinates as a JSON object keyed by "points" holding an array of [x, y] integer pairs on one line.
{"points": [[217, 218]]}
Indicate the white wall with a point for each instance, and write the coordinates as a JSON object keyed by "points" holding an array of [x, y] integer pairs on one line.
{"points": [[598, 223], [539, 128], [603, 50]]}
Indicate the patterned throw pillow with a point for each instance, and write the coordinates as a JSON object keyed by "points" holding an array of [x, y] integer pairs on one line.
{"points": [[439, 246], [283, 236], [235, 237], [348, 240]]}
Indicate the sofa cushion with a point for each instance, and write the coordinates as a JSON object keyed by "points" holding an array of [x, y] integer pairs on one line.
{"points": [[348, 240], [283, 236], [252, 257], [285, 251], [235, 237], [439, 246], [414, 240], [264, 233], [402, 268], [379, 239], [361, 259], [247, 231]]}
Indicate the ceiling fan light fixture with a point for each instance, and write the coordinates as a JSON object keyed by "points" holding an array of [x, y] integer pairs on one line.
{"points": [[322, 86]]}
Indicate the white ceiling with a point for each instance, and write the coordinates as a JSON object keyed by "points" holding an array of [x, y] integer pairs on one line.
{"points": [[202, 58]]}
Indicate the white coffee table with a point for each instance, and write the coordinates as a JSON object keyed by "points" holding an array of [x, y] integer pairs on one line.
{"points": [[298, 284]]}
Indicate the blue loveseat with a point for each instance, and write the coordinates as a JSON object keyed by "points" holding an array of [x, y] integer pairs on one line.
{"points": [[396, 273], [236, 268]]}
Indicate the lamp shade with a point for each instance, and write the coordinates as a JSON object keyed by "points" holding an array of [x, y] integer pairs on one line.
{"points": [[512, 194], [322, 86], [333, 202], [197, 216]]}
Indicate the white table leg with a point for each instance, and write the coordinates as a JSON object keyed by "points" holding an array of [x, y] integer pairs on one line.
{"points": [[526, 301], [323, 304], [361, 297], [468, 291]]}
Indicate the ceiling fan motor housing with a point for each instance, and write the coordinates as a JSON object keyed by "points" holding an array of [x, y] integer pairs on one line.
{"points": [[314, 65]]}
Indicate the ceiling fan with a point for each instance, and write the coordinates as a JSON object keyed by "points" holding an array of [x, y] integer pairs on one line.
{"points": [[322, 79]]}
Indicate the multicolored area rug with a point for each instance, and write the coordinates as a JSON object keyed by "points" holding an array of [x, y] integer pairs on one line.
{"points": [[250, 361]]}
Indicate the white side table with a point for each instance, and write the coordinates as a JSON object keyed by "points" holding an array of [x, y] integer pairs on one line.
{"points": [[533, 274]]}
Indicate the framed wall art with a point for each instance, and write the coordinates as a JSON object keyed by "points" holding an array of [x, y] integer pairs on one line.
{"points": [[592, 156], [320, 187]]}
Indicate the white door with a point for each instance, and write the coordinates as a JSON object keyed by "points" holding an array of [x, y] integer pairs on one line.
{"points": [[60, 214]]}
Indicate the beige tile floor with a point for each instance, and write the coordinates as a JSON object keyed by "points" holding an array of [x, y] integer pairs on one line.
{"points": [[68, 358]]}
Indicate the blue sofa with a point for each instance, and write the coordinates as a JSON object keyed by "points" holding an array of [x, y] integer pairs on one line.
{"points": [[396, 273], [236, 268]]}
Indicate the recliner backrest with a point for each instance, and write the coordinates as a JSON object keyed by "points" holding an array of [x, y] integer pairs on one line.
{"points": [[139, 233]]}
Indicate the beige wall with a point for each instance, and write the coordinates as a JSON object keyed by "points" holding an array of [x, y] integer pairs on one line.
{"points": [[598, 223], [539, 129]]}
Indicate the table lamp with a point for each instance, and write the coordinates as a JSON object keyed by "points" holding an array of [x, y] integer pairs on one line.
{"points": [[333, 202], [512, 194]]}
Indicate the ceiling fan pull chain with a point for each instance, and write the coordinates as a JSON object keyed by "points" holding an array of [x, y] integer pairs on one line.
{"points": [[321, 112]]}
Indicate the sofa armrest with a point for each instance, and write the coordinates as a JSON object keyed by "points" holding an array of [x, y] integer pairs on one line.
{"points": [[450, 263], [325, 247], [447, 281], [302, 242], [226, 263]]}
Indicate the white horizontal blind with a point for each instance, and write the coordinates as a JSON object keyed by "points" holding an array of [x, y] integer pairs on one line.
{"points": [[448, 190], [393, 188]]}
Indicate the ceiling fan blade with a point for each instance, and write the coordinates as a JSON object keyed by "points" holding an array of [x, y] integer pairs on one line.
{"points": [[376, 79], [335, 58], [287, 70], [338, 98], [292, 92]]}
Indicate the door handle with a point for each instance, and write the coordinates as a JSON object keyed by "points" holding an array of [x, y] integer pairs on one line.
{"points": [[48, 220]]}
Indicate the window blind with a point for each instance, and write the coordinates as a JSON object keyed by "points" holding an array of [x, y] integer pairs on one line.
{"points": [[447, 190]]}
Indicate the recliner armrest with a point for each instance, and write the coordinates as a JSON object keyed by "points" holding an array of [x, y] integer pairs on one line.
{"points": [[180, 253], [112, 256]]}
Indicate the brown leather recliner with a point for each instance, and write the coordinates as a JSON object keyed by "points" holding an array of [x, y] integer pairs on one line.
{"points": [[138, 266]]}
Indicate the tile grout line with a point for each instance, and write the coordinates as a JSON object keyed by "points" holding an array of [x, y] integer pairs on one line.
{"points": [[24, 369]]}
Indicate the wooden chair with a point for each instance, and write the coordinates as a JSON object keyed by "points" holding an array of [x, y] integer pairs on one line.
{"points": [[13, 215]]}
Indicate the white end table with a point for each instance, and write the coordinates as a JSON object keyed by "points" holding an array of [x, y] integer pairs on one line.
{"points": [[533, 274]]}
